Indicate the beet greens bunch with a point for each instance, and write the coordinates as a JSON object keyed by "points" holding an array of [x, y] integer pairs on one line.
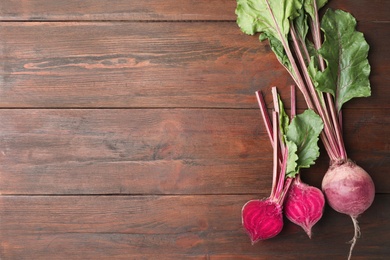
{"points": [[328, 73], [294, 141]]}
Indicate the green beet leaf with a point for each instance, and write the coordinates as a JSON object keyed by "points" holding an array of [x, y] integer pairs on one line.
{"points": [[284, 120], [301, 137], [301, 25], [278, 49], [304, 131], [292, 159], [309, 7], [268, 16], [345, 51], [271, 19], [310, 16]]}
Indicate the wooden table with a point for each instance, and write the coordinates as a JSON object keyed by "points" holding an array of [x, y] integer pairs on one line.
{"points": [[130, 130]]}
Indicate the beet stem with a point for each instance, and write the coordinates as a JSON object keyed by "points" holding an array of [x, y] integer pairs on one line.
{"points": [[277, 109], [336, 118], [317, 107], [281, 183], [266, 120], [293, 102], [275, 154], [286, 187], [265, 116], [316, 32], [295, 73]]}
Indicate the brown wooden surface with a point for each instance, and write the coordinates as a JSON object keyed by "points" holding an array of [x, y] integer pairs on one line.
{"points": [[173, 227], [159, 64], [130, 130], [156, 10], [160, 151]]}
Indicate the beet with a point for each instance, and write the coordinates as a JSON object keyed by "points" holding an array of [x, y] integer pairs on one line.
{"points": [[262, 219], [304, 205], [350, 190]]}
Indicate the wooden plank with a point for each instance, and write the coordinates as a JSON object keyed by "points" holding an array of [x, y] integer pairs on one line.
{"points": [[130, 151], [152, 65], [364, 10], [118, 10], [161, 151], [172, 227]]}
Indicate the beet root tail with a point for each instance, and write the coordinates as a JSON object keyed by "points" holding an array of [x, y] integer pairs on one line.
{"points": [[355, 237]]}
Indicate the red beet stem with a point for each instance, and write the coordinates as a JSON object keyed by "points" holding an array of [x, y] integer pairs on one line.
{"points": [[275, 177], [293, 102], [264, 114]]}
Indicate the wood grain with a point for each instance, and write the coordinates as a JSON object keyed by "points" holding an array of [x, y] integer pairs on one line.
{"points": [[215, 10], [161, 151], [152, 65], [130, 130], [185, 227]]}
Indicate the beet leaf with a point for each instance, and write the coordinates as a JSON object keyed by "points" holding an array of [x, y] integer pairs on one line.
{"points": [[304, 131], [345, 51]]}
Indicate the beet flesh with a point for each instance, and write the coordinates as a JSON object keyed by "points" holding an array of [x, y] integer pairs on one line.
{"points": [[304, 205], [262, 219], [348, 188]]}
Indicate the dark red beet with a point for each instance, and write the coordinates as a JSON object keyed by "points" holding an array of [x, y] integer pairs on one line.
{"points": [[304, 205], [262, 219]]}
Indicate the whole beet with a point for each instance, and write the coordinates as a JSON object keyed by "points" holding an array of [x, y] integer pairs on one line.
{"points": [[350, 190]]}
